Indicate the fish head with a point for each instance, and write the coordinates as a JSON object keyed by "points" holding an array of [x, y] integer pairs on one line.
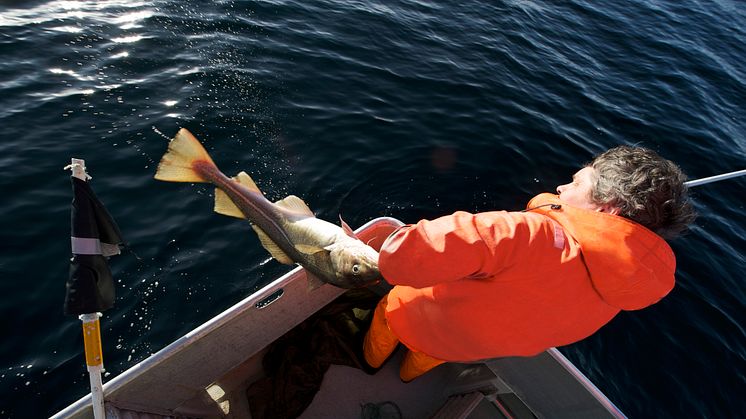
{"points": [[355, 263]]}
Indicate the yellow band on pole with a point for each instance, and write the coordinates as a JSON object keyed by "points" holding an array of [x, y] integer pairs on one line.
{"points": [[92, 341]]}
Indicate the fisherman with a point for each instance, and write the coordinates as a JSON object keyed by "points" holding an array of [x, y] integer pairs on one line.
{"points": [[470, 287]]}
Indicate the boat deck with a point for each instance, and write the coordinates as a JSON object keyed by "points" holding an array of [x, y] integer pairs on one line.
{"points": [[346, 390]]}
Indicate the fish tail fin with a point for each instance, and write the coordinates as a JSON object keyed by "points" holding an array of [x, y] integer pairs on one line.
{"points": [[224, 204], [185, 160]]}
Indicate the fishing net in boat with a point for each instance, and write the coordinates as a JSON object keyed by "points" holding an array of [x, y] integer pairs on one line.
{"points": [[295, 364]]}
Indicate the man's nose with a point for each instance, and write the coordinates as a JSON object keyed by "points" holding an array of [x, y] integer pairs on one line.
{"points": [[560, 188]]}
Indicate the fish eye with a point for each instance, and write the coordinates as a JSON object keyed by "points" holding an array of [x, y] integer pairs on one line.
{"points": [[355, 269]]}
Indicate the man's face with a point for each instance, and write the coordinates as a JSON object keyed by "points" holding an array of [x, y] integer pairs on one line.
{"points": [[578, 192]]}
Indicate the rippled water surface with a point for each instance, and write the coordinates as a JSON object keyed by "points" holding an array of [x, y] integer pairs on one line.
{"points": [[411, 109]]}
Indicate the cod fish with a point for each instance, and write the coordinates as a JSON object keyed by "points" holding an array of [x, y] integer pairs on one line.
{"points": [[287, 228]]}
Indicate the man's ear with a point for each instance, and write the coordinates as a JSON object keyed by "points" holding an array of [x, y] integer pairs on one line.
{"points": [[609, 209]]}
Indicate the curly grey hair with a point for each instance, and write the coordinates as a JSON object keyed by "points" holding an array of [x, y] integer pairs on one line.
{"points": [[646, 188]]}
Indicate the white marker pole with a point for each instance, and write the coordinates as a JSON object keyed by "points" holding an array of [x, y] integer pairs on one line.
{"points": [[94, 361]]}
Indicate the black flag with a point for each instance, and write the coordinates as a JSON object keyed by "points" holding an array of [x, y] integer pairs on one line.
{"points": [[95, 236]]}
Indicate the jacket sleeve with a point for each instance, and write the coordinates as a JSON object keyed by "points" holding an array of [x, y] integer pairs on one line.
{"points": [[453, 247]]}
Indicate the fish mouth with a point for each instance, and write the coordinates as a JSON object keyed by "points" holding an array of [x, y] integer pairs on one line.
{"points": [[367, 282], [352, 282]]}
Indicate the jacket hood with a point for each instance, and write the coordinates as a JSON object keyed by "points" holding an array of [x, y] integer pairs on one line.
{"points": [[630, 266]]}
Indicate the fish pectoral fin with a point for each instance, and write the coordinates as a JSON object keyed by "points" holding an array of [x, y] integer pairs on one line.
{"points": [[309, 249], [272, 247], [295, 204], [332, 247], [224, 205]]}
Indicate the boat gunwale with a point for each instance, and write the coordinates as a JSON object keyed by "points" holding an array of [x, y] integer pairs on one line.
{"points": [[586, 382]]}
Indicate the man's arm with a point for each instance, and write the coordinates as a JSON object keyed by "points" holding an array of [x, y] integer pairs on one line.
{"points": [[454, 247]]}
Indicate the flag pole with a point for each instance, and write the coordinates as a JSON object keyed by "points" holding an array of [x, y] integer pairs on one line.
{"points": [[91, 330]]}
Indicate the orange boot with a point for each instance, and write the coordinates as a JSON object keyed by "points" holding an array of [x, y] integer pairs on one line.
{"points": [[415, 364], [379, 342]]}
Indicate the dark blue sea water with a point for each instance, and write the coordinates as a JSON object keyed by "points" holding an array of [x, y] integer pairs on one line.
{"points": [[406, 108]]}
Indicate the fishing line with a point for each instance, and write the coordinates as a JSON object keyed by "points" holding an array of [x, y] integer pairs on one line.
{"points": [[157, 131]]}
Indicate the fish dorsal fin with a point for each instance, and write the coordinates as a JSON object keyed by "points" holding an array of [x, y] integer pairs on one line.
{"points": [[294, 204], [224, 205], [346, 228], [272, 247], [244, 179]]}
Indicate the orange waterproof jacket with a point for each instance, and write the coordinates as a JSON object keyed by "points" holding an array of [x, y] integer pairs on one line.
{"points": [[478, 286]]}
